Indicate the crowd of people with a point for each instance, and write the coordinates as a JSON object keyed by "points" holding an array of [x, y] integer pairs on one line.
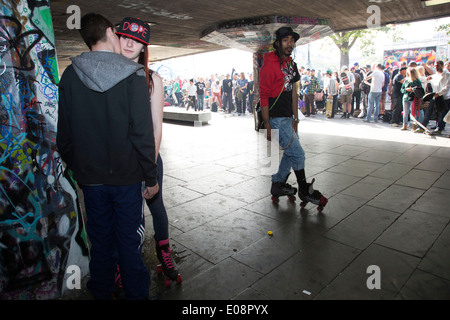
{"points": [[363, 92], [371, 93], [226, 93]]}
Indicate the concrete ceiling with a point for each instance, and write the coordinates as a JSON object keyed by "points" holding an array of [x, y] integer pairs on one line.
{"points": [[181, 27]]}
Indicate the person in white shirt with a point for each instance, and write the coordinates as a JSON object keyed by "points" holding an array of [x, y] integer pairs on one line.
{"points": [[192, 91], [375, 93], [216, 91], [441, 88]]}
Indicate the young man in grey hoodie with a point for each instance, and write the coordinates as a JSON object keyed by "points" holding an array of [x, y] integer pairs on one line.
{"points": [[105, 136]]}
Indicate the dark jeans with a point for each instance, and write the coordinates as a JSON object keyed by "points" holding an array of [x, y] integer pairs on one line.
{"points": [[179, 96], [429, 111], [309, 104], [397, 110], [228, 101], [250, 102], [442, 107], [242, 104], [192, 102], [200, 101], [157, 208], [356, 97], [115, 226]]}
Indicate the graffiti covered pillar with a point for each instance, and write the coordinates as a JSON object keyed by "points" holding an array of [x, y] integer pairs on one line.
{"points": [[258, 58], [41, 226]]}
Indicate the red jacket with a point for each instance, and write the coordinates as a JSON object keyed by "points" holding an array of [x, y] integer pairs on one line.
{"points": [[271, 77]]}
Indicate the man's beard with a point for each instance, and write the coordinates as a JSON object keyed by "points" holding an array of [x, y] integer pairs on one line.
{"points": [[288, 51]]}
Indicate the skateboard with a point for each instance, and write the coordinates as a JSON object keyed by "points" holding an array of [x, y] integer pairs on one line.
{"points": [[427, 131], [169, 279], [345, 81], [329, 107]]}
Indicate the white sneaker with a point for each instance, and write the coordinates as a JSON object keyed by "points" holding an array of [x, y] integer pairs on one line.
{"points": [[362, 115]]}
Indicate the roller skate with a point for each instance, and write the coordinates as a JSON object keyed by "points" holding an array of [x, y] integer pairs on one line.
{"points": [[313, 196], [280, 189], [167, 266]]}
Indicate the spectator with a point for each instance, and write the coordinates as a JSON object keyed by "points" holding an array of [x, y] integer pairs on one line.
{"points": [[416, 110], [216, 91], [412, 80], [441, 87], [200, 84], [346, 83], [356, 97], [308, 94], [251, 94], [367, 70], [314, 88], [397, 96], [384, 89], [235, 86], [429, 68], [227, 89], [178, 93], [241, 94], [191, 91], [376, 86], [331, 89]]}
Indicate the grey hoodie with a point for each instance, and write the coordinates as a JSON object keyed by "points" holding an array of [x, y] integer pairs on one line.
{"points": [[102, 70]]}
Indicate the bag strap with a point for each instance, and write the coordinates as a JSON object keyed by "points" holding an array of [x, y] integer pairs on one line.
{"points": [[282, 89]]}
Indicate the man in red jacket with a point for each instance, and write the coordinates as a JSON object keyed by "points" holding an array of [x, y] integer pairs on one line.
{"points": [[278, 86]]}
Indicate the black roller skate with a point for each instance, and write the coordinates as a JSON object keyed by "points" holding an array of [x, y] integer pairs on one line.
{"points": [[313, 196], [167, 266], [280, 189]]}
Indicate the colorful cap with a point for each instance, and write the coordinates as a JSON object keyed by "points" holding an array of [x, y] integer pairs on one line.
{"points": [[135, 29]]}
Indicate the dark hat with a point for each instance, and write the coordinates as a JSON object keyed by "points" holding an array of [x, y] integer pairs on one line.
{"points": [[136, 29], [283, 32], [403, 68]]}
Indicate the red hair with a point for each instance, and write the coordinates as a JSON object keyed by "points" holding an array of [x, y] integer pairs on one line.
{"points": [[143, 59]]}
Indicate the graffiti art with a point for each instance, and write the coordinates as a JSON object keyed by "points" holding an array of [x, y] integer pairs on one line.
{"points": [[41, 226]]}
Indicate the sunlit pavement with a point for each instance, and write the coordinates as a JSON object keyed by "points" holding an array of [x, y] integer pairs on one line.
{"points": [[384, 233]]}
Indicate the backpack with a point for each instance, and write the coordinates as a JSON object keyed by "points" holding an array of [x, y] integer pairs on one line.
{"points": [[357, 81], [417, 92], [364, 87]]}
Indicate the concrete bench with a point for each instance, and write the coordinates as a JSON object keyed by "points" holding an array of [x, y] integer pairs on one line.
{"points": [[175, 114]]}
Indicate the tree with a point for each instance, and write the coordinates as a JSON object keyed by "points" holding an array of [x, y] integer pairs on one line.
{"points": [[445, 28], [346, 40]]}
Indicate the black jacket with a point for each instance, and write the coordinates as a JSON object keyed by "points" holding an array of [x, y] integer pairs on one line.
{"points": [[105, 131]]}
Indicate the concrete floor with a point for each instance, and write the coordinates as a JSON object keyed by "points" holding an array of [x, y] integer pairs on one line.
{"points": [[388, 191], [386, 223]]}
